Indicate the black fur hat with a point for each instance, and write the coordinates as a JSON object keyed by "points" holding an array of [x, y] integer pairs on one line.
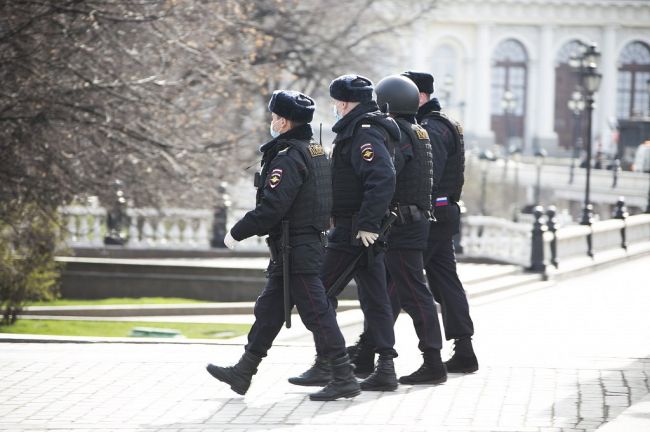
{"points": [[292, 105], [423, 80], [351, 88]]}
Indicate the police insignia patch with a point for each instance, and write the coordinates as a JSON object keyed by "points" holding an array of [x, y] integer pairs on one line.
{"points": [[276, 176], [367, 153], [316, 150]]}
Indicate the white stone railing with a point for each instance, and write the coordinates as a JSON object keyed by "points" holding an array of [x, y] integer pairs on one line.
{"points": [[495, 238], [606, 235], [483, 236], [488, 237], [171, 228], [83, 226]]}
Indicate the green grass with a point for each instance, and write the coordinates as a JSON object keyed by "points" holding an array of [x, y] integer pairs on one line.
{"points": [[121, 328], [117, 301]]}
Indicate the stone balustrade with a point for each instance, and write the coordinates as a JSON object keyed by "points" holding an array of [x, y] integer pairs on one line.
{"points": [[487, 237], [170, 228], [483, 237]]}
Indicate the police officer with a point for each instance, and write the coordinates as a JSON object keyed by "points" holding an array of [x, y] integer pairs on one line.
{"points": [[294, 185], [363, 179], [408, 236], [440, 260]]}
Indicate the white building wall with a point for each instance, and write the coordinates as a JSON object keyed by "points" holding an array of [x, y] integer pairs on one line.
{"points": [[475, 27]]}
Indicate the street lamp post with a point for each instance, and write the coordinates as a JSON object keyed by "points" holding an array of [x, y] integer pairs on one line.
{"points": [[647, 208], [576, 104], [220, 216], [540, 154], [647, 83], [484, 157], [587, 68], [508, 104], [515, 152]]}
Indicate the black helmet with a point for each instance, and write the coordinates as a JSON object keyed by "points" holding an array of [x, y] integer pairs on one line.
{"points": [[399, 93]]}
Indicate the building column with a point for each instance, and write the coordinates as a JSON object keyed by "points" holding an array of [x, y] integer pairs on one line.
{"points": [[481, 82], [606, 98], [544, 134]]}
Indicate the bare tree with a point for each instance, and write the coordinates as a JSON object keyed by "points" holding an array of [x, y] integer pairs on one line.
{"points": [[167, 96]]}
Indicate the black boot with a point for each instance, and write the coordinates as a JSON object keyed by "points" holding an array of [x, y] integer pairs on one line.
{"points": [[432, 371], [319, 374], [238, 376], [383, 378], [343, 383], [464, 360], [362, 356]]}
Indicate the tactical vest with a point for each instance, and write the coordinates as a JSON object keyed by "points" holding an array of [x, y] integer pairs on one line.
{"points": [[311, 207], [453, 177], [347, 188], [415, 181]]}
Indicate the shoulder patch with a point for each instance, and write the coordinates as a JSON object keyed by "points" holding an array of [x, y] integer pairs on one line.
{"points": [[316, 150], [367, 152], [275, 177], [421, 132]]}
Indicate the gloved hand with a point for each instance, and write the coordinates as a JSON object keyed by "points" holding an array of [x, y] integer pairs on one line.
{"points": [[230, 242], [367, 238]]}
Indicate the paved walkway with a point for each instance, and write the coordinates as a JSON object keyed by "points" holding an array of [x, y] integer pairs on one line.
{"points": [[569, 357]]}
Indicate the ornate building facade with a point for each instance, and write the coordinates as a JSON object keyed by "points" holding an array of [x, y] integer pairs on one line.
{"points": [[501, 67]]}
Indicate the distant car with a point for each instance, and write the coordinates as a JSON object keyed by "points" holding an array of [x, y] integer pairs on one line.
{"points": [[642, 158]]}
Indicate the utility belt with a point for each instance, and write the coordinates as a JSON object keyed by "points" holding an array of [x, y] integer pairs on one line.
{"points": [[275, 243], [407, 214], [344, 221]]}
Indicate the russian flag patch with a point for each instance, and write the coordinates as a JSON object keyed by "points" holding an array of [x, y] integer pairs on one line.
{"points": [[442, 201]]}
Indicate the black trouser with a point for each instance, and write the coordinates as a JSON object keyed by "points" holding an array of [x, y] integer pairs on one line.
{"points": [[409, 289], [446, 286], [316, 311], [373, 295]]}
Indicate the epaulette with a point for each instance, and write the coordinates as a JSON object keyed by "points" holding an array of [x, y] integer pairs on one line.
{"points": [[316, 150], [420, 132]]}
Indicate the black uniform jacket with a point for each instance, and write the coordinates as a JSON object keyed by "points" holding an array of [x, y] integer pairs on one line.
{"points": [[375, 174], [277, 196], [443, 144]]}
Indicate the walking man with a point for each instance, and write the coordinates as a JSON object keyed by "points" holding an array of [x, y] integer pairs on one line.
{"points": [[440, 259], [293, 204], [363, 180]]}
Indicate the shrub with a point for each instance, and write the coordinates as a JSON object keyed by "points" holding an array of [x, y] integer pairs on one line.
{"points": [[29, 236]]}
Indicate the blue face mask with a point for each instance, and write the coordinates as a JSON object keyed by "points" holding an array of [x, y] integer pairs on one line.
{"points": [[273, 132], [337, 116]]}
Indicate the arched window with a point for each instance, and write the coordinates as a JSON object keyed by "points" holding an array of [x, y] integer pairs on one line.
{"points": [[633, 74], [444, 71], [509, 74], [567, 125]]}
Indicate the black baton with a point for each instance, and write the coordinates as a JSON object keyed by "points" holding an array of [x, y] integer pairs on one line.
{"points": [[286, 256], [348, 272]]}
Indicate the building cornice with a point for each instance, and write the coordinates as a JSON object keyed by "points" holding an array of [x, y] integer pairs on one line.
{"points": [[627, 13]]}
